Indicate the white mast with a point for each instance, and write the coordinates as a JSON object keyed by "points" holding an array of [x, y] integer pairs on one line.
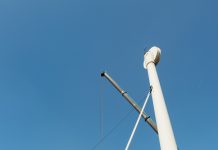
{"points": [[165, 131]]}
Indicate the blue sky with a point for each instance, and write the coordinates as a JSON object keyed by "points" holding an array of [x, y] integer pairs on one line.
{"points": [[52, 53]]}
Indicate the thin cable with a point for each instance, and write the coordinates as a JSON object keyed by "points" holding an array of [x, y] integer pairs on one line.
{"points": [[101, 105], [114, 128], [137, 122]]}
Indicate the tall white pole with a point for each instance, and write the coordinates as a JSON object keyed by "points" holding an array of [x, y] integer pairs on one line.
{"points": [[165, 131]]}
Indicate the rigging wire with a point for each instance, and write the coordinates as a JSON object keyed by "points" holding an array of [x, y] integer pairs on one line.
{"points": [[113, 128], [101, 107]]}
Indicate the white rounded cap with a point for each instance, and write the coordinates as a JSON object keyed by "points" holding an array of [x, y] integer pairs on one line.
{"points": [[153, 55]]}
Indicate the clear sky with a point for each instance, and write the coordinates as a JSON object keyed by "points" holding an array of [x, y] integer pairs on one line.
{"points": [[52, 53]]}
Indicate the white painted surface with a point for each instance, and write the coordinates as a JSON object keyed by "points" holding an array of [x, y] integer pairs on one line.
{"points": [[165, 132]]}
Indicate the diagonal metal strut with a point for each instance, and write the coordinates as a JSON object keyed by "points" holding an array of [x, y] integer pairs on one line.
{"points": [[131, 101]]}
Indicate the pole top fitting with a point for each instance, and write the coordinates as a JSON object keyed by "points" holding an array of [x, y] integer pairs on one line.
{"points": [[152, 55], [103, 74]]}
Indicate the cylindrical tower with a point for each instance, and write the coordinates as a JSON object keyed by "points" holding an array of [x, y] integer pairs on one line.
{"points": [[165, 131]]}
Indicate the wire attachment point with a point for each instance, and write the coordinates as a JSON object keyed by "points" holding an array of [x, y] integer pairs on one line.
{"points": [[151, 88], [147, 118]]}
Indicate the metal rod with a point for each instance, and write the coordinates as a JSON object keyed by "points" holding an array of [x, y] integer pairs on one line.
{"points": [[131, 101], [137, 121]]}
